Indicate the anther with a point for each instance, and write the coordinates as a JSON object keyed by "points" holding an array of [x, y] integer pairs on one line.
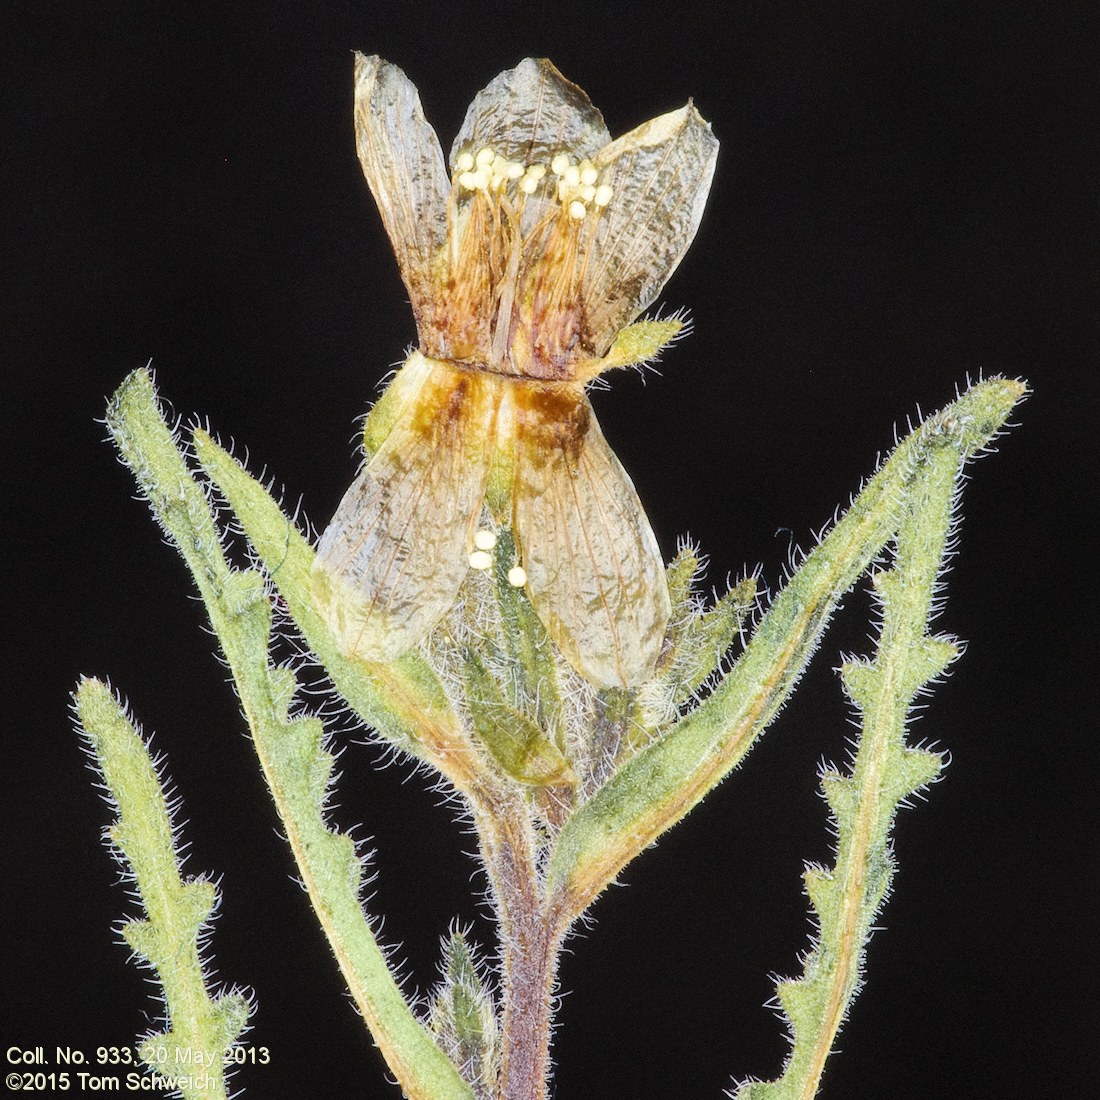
{"points": [[603, 194], [517, 576], [559, 164], [577, 209], [464, 162], [485, 157], [479, 559], [485, 540]]}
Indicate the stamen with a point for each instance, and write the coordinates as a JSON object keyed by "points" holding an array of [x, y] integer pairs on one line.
{"points": [[503, 261], [517, 576], [485, 540], [479, 559]]}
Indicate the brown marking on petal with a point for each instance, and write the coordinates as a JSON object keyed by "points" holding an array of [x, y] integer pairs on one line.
{"points": [[552, 419]]}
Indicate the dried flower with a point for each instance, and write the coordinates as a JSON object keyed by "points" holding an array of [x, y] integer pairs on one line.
{"points": [[525, 266]]}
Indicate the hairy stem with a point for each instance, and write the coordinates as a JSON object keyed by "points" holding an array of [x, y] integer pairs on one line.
{"points": [[531, 965]]}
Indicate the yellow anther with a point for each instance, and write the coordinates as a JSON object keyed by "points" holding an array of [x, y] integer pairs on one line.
{"points": [[514, 170], [589, 174], [485, 157], [587, 192], [572, 175], [479, 559], [559, 164], [528, 185], [577, 209], [517, 576], [536, 171], [603, 194], [485, 540], [464, 162]]}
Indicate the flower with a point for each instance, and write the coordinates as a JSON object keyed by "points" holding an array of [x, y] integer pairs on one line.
{"points": [[526, 265]]}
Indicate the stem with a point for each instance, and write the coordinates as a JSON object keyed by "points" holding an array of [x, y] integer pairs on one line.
{"points": [[531, 928], [531, 966]]}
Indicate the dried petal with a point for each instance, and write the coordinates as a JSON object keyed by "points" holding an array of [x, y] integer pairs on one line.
{"points": [[661, 174], [530, 113], [594, 570], [390, 563], [403, 163]]}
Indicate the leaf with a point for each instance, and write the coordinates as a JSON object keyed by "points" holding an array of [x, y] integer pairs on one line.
{"points": [[178, 910], [658, 786]]}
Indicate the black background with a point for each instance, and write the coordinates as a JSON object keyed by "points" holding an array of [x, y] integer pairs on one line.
{"points": [[901, 202]]}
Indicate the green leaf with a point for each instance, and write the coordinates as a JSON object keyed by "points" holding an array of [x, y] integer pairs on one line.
{"points": [[177, 909], [658, 786], [403, 700], [885, 772], [290, 753]]}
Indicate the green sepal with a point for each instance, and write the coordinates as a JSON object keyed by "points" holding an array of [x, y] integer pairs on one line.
{"points": [[641, 342], [517, 743], [530, 653], [680, 576]]}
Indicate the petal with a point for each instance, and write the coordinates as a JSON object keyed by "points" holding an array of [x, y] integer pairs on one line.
{"points": [[594, 571], [404, 166], [661, 175], [528, 114], [392, 560]]}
